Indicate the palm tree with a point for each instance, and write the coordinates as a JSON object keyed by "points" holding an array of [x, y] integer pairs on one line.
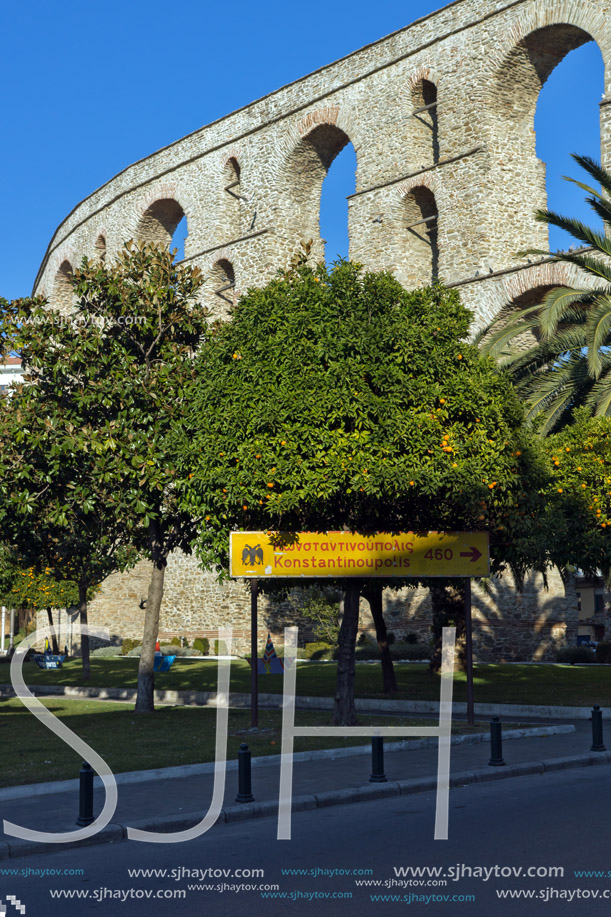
{"points": [[559, 350]]}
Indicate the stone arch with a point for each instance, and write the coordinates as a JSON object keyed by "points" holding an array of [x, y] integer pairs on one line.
{"points": [[418, 235], [424, 146], [520, 284], [528, 64], [221, 286], [100, 248], [308, 166], [518, 288], [541, 38], [233, 200], [318, 141], [159, 221], [62, 287]]}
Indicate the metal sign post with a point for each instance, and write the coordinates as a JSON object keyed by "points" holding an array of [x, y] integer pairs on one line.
{"points": [[254, 663], [469, 649], [345, 555]]}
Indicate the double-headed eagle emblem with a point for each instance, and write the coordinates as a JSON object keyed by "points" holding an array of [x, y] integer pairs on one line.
{"points": [[252, 556]]}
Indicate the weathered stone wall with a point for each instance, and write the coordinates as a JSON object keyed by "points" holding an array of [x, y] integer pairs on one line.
{"points": [[441, 116], [195, 604], [470, 160], [508, 625]]}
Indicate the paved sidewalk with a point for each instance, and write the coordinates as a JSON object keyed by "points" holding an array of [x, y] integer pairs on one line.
{"points": [[176, 803]]}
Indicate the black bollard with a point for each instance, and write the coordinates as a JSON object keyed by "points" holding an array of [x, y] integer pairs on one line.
{"points": [[244, 781], [85, 806], [496, 743], [377, 760], [597, 729]]}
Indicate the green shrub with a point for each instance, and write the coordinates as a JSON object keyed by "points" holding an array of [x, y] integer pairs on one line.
{"points": [[202, 644], [603, 652], [175, 641], [280, 651], [575, 654], [364, 653], [319, 651], [410, 653], [411, 637], [173, 650], [220, 648], [398, 651], [135, 651], [128, 645], [107, 651], [390, 637]]}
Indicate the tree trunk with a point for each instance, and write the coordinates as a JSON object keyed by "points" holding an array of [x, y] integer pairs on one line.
{"points": [[448, 610], [54, 642], [344, 713], [145, 701], [373, 594], [82, 598]]}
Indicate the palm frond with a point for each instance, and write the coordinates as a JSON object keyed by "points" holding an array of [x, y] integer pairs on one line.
{"points": [[497, 344], [597, 329], [594, 168], [602, 208], [586, 263], [571, 372], [599, 398], [553, 395], [557, 305], [575, 228], [583, 186], [569, 362], [550, 411], [524, 253]]}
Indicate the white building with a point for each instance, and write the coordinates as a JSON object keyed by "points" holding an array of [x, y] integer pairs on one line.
{"points": [[10, 371]]}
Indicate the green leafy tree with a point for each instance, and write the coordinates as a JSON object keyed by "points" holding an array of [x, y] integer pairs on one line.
{"points": [[320, 607], [27, 588], [558, 350], [580, 494], [338, 400], [56, 507], [107, 384]]}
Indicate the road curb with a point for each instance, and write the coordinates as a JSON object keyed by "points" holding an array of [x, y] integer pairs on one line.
{"points": [[114, 833], [274, 701], [195, 770], [111, 834]]}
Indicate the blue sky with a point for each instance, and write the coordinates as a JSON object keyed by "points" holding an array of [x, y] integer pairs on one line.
{"points": [[92, 87]]}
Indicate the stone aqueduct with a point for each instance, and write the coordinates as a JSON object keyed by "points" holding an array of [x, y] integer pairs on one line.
{"points": [[441, 116]]}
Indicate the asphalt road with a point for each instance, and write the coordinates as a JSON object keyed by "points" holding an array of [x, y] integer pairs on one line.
{"points": [[556, 820]]}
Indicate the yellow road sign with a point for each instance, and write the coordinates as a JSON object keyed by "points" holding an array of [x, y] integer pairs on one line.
{"points": [[317, 555]]}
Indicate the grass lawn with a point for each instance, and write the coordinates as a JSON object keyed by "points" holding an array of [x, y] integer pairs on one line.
{"points": [[509, 684], [32, 754]]}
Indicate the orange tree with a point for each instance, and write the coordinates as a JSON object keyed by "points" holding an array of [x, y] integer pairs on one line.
{"points": [[29, 588], [337, 399], [580, 497]]}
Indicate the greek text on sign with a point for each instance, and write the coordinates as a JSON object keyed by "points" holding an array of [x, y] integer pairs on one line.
{"points": [[343, 554]]}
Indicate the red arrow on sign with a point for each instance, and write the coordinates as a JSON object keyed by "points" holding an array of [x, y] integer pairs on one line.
{"points": [[474, 554]]}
